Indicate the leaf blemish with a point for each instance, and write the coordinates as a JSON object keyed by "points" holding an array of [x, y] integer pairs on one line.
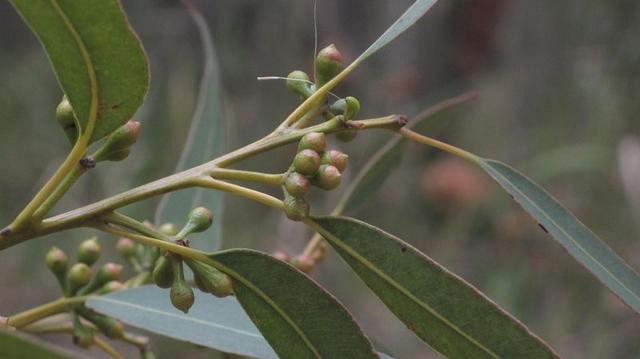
{"points": [[403, 249], [543, 228]]}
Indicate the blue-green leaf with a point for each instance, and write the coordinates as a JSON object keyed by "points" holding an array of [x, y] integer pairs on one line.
{"points": [[15, 345]]}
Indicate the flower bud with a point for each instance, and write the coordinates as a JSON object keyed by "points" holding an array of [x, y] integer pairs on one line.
{"points": [[297, 185], [89, 251], [353, 108], [199, 220], [169, 229], [110, 327], [315, 141], [303, 263], [339, 107], [299, 83], [110, 287], [181, 294], [67, 120], [306, 162], [109, 272], [57, 261], [347, 136], [126, 248], [163, 271], [281, 255], [335, 158], [211, 280], [79, 276], [82, 336], [328, 177], [118, 145], [328, 64], [296, 208]]}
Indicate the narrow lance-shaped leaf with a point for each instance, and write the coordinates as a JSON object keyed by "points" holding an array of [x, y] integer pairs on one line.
{"points": [[574, 236], [218, 323], [97, 58], [442, 309], [16, 346], [204, 142], [296, 316]]}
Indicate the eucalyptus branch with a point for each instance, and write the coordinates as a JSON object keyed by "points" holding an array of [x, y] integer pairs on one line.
{"points": [[34, 314], [229, 174], [70, 179]]}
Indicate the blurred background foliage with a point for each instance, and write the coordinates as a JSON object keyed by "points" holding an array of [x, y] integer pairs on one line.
{"points": [[558, 83]]}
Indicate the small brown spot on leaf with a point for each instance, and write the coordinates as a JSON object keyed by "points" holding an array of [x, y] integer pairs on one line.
{"points": [[543, 228], [403, 249]]}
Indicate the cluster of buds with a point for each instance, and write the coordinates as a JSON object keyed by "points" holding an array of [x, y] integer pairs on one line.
{"points": [[306, 263], [81, 279], [168, 270], [312, 165]]}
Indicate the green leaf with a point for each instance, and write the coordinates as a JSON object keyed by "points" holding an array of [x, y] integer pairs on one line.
{"points": [[574, 236], [296, 316], [204, 142], [218, 323], [97, 58], [446, 312], [15, 345]]}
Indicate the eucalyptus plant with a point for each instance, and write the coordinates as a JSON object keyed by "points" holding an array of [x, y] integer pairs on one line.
{"points": [[261, 305]]}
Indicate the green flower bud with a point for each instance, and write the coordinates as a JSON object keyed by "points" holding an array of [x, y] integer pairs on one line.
{"points": [[306, 162], [339, 107], [67, 120], [89, 251], [126, 248], [304, 263], [296, 208], [199, 220], [118, 145], [82, 336], [328, 64], [335, 158], [328, 177], [299, 83], [169, 229], [315, 141], [110, 287], [57, 261], [210, 279], [163, 271], [79, 276], [353, 108], [297, 185], [181, 294], [109, 272], [110, 327], [347, 136]]}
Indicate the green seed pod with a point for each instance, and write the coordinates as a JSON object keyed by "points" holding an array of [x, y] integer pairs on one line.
{"points": [[82, 336], [328, 177], [163, 271], [169, 229], [300, 84], [304, 263], [67, 120], [306, 162], [126, 248], [347, 136], [89, 251], [315, 141], [297, 185], [335, 158], [110, 327], [79, 276], [110, 287], [353, 108], [57, 261], [118, 144], [295, 208], [328, 64], [210, 279], [199, 220], [181, 294]]}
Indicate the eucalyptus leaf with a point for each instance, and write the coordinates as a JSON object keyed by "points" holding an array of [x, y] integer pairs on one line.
{"points": [[14, 345], [296, 316], [204, 142], [97, 58], [446, 312], [218, 323], [564, 227]]}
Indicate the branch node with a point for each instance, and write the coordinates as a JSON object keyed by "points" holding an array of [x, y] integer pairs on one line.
{"points": [[87, 163], [402, 120]]}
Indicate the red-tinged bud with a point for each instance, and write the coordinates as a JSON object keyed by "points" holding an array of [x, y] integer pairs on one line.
{"points": [[109, 272], [57, 261], [126, 248], [304, 263], [199, 220], [89, 251], [328, 64], [335, 158], [67, 120], [296, 208], [299, 83], [315, 141], [297, 185], [79, 276], [328, 177], [110, 287], [281, 255], [118, 145], [306, 162]]}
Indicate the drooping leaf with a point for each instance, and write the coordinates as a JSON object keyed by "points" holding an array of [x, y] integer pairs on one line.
{"points": [[15, 345], [98, 60], [574, 236], [218, 323], [296, 316], [446, 312], [204, 142]]}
